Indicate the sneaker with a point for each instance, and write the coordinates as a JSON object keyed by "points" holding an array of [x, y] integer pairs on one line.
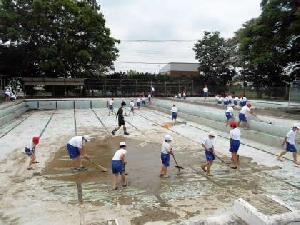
{"points": [[126, 133], [82, 168], [75, 169], [113, 132]]}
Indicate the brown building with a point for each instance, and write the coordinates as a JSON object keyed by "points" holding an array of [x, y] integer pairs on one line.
{"points": [[180, 68]]}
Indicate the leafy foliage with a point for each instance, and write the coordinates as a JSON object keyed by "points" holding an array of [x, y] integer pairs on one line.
{"points": [[213, 54], [271, 42], [55, 38]]}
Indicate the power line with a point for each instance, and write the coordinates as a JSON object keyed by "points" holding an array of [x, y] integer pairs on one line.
{"points": [[143, 63], [162, 40]]}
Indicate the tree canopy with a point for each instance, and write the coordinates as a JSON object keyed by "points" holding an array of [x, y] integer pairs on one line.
{"points": [[271, 42], [213, 54], [54, 38]]}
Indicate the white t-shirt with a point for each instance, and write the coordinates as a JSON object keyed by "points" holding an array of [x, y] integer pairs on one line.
{"points": [[76, 141], [138, 100], [7, 92], [119, 153], [229, 109], [111, 102], [208, 143], [245, 109], [143, 99], [174, 109], [236, 98], [132, 104], [183, 94], [165, 147], [149, 96], [220, 99], [235, 134], [30, 145], [291, 137], [205, 89], [244, 99], [226, 99], [152, 89]]}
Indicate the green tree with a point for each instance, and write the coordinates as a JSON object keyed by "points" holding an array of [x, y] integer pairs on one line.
{"points": [[213, 54], [56, 38], [271, 42]]}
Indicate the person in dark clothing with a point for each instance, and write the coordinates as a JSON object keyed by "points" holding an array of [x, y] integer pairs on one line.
{"points": [[121, 120]]}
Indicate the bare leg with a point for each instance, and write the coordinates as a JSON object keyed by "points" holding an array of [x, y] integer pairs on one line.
{"points": [[162, 171], [234, 159], [281, 154], [124, 184], [205, 165], [77, 162], [295, 158], [115, 181], [208, 168]]}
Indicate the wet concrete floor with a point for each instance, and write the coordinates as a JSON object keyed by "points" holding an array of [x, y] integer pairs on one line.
{"points": [[149, 193]]}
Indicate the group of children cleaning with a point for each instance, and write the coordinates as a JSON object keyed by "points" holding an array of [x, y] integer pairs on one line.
{"points": [[76, 148], [140, 101]]}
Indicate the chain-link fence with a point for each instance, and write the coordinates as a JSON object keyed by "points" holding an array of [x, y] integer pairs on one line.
{"points": [[134, 87]]}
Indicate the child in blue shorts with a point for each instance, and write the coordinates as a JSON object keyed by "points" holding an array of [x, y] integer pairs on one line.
{"points": [[118, 163], [234, 138], [166, 151], [174, 112], [30, 151], [208, 145], [290, 141]]}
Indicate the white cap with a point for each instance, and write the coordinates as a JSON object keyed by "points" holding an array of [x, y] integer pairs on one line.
{"points": [[212, 134], [86, 137], [122, 143], [297, 125], [168, 137]]}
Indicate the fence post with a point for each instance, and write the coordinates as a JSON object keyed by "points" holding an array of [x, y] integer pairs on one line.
{"points": [[192, 88], [289, 89], [135, 88]]}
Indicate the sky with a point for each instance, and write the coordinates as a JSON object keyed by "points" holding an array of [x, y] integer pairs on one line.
{"points": [[154, 33]]}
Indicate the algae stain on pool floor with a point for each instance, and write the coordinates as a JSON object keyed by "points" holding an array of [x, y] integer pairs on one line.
{"points": [[143, 168], [188, 192]]}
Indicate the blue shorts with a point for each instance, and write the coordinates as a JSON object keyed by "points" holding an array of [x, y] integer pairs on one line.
{"points": [[225, 102], [28, 152], [205, 94], [242, 117], [234, 145], [174, 115], [138, 104], [143, 102], [73, 151], [219, 102], [111, 107], [290, 147], [117, 166], [228, 115], [165, 159], [209, 156], [243, 103], [235, 102]]}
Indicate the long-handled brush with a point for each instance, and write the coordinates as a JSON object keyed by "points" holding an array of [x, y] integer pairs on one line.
{"points": [[178, 167], [101, 167]]}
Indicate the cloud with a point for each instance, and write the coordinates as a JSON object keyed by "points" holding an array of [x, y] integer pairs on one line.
{"points": [[170, 20]]}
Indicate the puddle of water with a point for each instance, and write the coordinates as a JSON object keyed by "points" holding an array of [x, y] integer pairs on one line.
{"points": [[146, 190]]}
